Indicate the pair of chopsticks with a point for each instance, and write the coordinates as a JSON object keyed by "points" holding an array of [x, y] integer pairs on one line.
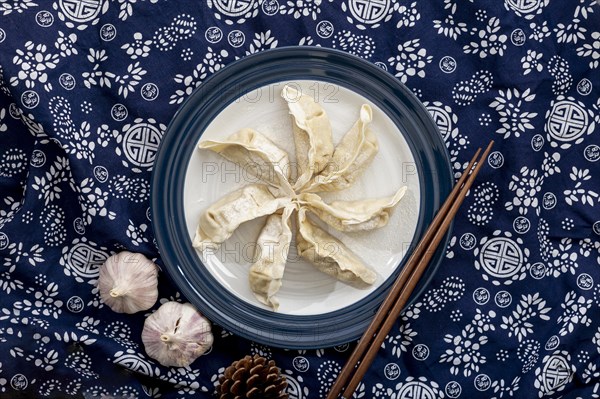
{"points": [[390, 309]]}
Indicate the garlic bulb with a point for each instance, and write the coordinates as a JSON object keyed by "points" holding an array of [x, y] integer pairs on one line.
{"points": [[176, 334], [128, 282]]}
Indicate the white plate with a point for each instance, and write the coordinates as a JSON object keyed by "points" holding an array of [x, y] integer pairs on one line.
{"points": [[305, 290]]}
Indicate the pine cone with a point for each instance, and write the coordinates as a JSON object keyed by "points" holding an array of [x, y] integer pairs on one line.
{"points": [[252, 378]]}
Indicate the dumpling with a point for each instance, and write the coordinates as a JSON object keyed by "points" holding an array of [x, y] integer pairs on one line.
{"points": [[221, 219], [330, 255], [312, 134], [350, 158], [255, 153], [270, 257], [353, 215]]}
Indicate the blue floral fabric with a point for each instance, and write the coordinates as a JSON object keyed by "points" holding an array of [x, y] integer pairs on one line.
{"points": [[87, 88]]}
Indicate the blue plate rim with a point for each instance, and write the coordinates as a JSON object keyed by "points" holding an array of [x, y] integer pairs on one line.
{"points": [[227, 84]]}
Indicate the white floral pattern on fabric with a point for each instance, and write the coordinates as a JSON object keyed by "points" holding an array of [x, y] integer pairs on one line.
{"points": [[88, 87]]}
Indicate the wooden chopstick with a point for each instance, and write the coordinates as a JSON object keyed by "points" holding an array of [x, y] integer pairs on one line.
{"points": [[392, 306]]}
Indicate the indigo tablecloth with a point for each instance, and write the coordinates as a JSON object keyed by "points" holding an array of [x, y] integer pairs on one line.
{"points": [[87, 88]]}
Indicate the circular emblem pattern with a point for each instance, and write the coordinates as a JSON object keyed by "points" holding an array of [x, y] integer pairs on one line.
{"points": [[141, 143], [521, 225], [270, 7], [75, 304], [108, 32], [44, 18], [552, 343], [342, 348], [596, 227], [517, 37], [3, 240], [149, 91], [549, 201], [556, 373], [496, 159], [369, 11], [481, 296], [524, 7], [443, 117], [119, 112], [30, 99], [19, 382], [447, 64], [503, 299], [67, 81], [148, 214], [233, 8], [81, 10], [79, 226], [416, 389], [453, 389], [420, 352], [236, 38], [301, 364], [592, 153], [482, 382], [101, 173], [381, 65], [566, 121], [213, 34], [467, 241], [585, 281], [2, 35], [38, 158], [537, 270], [537, 142], [584, 87], [501, 257], [14, 111], [391, 371], [324, 29]]}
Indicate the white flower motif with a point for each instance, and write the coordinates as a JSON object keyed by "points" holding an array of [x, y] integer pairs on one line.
{"points": [[66, 44], [139, 48], [88, 324], [526, 188], [540, 32], [302, 8], [465, 353], [508, 105], [549, 164], [7, 7], [409, 15], [587, 197], [591, 50], [34, 61], [570, 33], [491, 42], [531, 61], [50, 185], [131, 79], [500, 388], [575, 309], [262, 41], [33, 256], [97, 76], [584, 8], [212, 62], [7, 282], [137, 233], [449, 27], [411, 60], [93, 201], [519, 323]]}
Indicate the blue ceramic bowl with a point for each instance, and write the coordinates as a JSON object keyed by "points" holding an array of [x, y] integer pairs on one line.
{"points": [[195, 114]]}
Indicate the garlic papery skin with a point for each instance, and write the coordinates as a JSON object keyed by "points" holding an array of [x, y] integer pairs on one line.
{"points": [[128, 282], [176, 334]]}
